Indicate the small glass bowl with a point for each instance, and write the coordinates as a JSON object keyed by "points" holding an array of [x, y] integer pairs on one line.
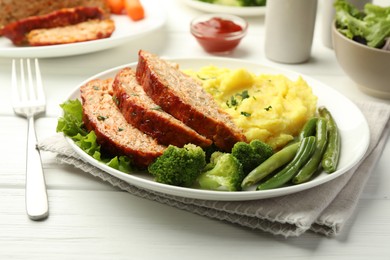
{"points": [[218, 42]]}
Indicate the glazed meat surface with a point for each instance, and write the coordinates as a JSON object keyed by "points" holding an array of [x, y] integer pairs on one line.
{"points": [[114, 134], [81, 32], [140, 111], [14, 10], [185, 99], [17, 30]]}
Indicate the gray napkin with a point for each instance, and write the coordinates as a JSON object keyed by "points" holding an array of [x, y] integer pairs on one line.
{"points": [[323, 209]]}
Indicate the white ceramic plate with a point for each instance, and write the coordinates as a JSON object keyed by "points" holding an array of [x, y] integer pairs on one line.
{"points": [[214, 8], [351, 122], [126, 30]]}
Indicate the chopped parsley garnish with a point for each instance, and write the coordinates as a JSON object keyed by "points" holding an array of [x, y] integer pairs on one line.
{"points": [[244, 94], [116, 100], [268, 108], [245, 114], [102, 118], [237, 99], [202, 78], [156, 108], [233, 102]]}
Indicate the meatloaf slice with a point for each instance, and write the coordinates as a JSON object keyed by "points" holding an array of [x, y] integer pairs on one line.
{"points": [[13, 10], [17, 30], [140, 111], [81, 32], [113, 133], [184, 98]]}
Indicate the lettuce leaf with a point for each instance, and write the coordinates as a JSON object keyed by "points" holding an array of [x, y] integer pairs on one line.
{"points": [[71, 124], [372, 24]]}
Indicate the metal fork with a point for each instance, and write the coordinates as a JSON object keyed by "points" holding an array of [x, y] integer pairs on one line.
{"points": [[28, 100]]}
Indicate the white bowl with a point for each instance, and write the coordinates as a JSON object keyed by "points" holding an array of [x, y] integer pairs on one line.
{"points": [[368, 67]]}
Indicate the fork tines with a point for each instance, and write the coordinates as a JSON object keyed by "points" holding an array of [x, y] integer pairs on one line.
{"points": [[29, 88]]}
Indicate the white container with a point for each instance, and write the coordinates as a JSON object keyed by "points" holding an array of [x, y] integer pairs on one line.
{"points": [[289, 28], [328, 14]]}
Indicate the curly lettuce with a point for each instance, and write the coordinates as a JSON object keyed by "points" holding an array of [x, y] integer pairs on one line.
{"points": [[71, 124], [370, 26]]}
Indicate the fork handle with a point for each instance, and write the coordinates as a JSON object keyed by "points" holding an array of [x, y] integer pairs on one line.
{"points": [[36, 195]]}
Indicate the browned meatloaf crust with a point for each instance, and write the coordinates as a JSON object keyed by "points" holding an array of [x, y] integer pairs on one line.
{"points": [[17, 30], [13, 10], [114, 134], [184, 98], [140, 111], [81, 32]]}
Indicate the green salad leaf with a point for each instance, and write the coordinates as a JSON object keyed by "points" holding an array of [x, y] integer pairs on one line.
{"points": [[71, 124], [372, 24]]}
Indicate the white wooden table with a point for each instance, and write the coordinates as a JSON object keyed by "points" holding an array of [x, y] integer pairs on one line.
{"points": [[91, 220]]}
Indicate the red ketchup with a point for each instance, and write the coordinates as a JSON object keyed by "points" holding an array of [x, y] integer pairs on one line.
{"points": [[218, 34]]}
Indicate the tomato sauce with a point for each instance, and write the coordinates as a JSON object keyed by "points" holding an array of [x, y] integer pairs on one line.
{"points": [[218, 34]]}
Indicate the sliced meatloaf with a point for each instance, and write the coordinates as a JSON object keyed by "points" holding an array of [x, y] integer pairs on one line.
{"points": [[114, 134], [13, 10], [140, 111], [17, 30], [184, 98], [81, 32]]}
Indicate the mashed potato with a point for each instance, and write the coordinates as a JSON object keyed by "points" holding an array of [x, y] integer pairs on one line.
{"points": [[271, 108]]}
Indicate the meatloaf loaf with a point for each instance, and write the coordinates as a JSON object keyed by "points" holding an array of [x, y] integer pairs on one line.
{"points": [[14, 10], [184, 98], [140, 111], [113, 133], [81, 32], [16, 31]]}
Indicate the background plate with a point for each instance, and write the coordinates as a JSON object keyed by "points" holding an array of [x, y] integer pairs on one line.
{"points": [[213, 8], [351, 122], [126, 30]]}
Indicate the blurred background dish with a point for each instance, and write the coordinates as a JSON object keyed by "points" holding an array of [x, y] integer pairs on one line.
{"points": [[126, 31], [367, 66], [236, 10]]}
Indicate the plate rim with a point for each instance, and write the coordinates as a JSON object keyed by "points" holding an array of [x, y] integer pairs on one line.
{"points": [[221, 195]]}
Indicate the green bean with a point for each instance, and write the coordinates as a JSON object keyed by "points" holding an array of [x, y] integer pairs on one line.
{"points": [[314, 162], [274, 162], [309, 128], [331, 156], [305, 151]]}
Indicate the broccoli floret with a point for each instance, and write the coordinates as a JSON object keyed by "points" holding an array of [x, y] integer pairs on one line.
{"points": [[179, 166], [251, 155], [223, 173]]}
